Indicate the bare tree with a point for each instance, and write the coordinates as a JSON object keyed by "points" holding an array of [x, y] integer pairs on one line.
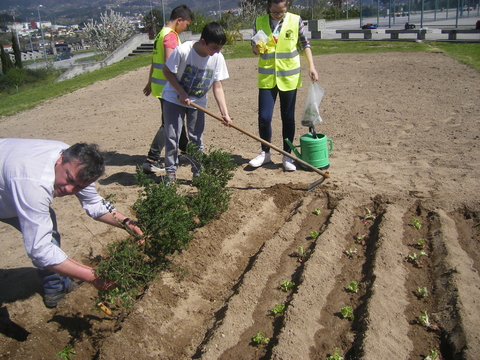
{"points": [[251, 9], [110, 33]]}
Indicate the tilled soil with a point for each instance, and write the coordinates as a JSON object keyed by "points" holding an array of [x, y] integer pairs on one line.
{"points": [[405, 128]]}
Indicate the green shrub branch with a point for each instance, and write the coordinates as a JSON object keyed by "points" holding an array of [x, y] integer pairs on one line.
{"points": [[167, 218]]}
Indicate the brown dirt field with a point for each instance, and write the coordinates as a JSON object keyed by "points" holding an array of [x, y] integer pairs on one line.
{"points": [[406, 135]]}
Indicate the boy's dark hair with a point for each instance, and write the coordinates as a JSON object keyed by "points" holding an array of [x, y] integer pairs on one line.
{"points": [[90, 159], [213, 33], [183, 12]]}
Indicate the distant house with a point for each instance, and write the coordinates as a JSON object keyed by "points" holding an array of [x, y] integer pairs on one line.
{"points": [[68, 47], [62, 48]]}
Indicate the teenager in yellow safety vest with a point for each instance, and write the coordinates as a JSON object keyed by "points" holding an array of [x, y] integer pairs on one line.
{"points": [[279, 73], [165, 42]]}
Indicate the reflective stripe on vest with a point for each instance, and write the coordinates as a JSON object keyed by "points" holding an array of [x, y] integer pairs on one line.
{"points": [[158, 80], [280, 66]]}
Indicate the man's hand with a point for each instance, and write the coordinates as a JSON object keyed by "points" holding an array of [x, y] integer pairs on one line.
{"points": [[132, 225], [104, 284]]}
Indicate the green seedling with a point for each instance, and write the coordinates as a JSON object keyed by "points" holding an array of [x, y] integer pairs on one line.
{"points": [[425, 321], [286, 285], [259, 339], [360, 239], [477, 224], [65, 353], [416, 223], [421, 243], [301, 254], [278, 309], [353, 287], [313, 234], [415, 258], [347, 313], [369, 216], [335, 356], [433, 355], [350, 252], [317, 211], [422, 292]]}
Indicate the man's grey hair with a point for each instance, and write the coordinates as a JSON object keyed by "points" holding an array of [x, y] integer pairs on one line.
{"points": [[89, 157]]}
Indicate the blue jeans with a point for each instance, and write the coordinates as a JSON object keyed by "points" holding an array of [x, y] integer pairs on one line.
{"points": [[52, 282], [266, 103]]}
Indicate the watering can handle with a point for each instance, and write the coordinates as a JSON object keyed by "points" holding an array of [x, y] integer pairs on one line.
{"points": [[264, 142]]}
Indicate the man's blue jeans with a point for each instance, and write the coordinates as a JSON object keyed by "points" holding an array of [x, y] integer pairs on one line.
{"points": [[52, 282]]}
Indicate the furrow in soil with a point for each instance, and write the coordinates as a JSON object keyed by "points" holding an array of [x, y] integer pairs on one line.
{"points": [[385, 322], [458, 288], [240, 308], [302, 319]]}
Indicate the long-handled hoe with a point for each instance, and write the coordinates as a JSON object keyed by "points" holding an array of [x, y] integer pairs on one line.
{"points": [[304, 163]]}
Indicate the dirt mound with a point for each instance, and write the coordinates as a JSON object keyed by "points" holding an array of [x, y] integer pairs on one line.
{"points": [[405, 167]]}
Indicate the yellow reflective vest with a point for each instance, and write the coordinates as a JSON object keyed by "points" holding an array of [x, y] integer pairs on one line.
{"points": [[280, 64], [158, 80]]}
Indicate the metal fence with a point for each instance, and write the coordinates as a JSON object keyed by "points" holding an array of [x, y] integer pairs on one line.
{"points": [[394, 13]]}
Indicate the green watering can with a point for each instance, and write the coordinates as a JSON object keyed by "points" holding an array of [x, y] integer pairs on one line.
{"points": [[314, 149]]}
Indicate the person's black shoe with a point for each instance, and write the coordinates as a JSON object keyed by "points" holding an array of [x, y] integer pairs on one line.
{"points": [[153, 167], [51, 300]]}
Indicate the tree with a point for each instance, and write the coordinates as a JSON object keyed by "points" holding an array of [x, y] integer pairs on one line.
{"points": [[110, 33], [251, 9], [317, 11], [200, 20], [228, 21], [16, 51], [16, 77], [7, 64], [153, 25]]}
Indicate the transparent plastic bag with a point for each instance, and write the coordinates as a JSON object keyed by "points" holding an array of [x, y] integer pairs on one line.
{"points": [[261, 40], [260, 36], [311, 114]]}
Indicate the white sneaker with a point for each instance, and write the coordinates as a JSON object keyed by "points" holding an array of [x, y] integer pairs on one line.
{"points": [[262, 158], [288, 164]]}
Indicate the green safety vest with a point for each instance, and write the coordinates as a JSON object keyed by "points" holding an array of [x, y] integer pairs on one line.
{"points": [[158, 80], [280, 65]]}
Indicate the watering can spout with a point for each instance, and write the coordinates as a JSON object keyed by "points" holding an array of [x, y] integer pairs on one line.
{"points": [[294, 148]]}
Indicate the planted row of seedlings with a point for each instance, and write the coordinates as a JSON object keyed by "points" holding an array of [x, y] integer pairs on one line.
{"points": [[344, 325], [424, 331], [339, 322], [420, 287], [296, 257], [254, 315], [344, 311]]}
